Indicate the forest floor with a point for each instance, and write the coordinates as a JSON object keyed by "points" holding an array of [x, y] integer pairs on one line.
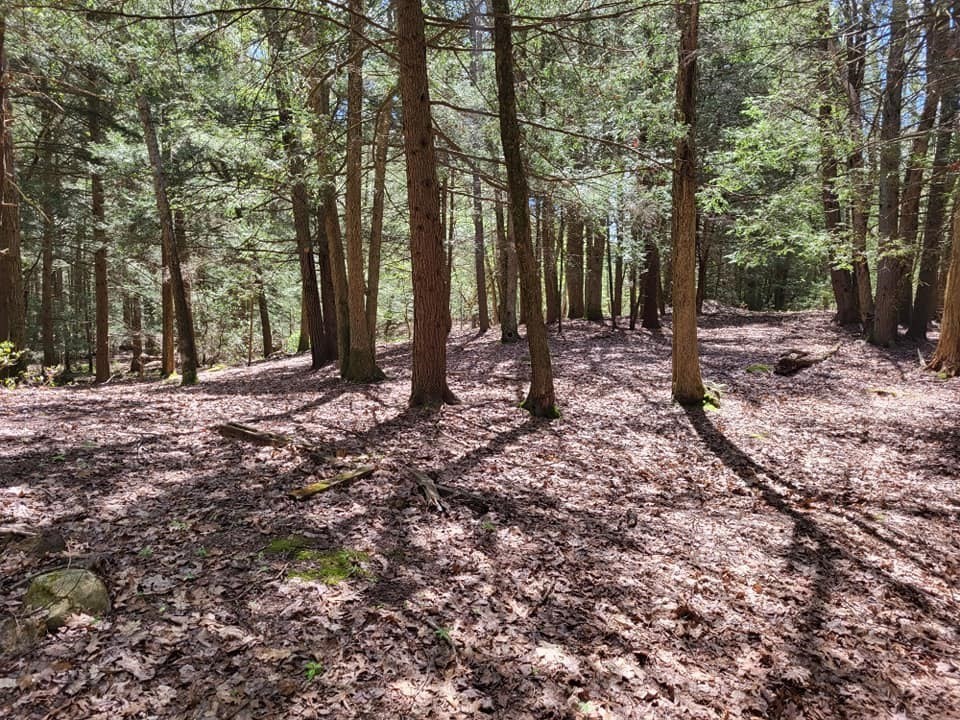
{"points": [[793, 554]]}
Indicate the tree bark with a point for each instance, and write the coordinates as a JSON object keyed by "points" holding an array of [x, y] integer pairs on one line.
{"points": [[479, 250], [595, 241], [101, 295], [47, 323], [946, 358], [687, 384], [136, 333], [431, 293], [540, 400], [889, 248], [266, 334], [380, 147], [506, 276], [550, 261], [939, 190], [299, 197], [574, 265], [651, 286], [361, 365], [12, 309], [188, 347]]}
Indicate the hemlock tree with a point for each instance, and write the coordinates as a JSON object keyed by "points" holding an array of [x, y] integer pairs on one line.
{"points": [[431, 290], [12, 320], [541, 400], [946, 358], [687, 384]]}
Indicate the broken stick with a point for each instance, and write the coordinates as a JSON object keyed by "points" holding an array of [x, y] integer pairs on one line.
{"points": [[338, 480]]}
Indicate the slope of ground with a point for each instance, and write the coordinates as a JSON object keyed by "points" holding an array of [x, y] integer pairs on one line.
{"points": [[792, 555]]}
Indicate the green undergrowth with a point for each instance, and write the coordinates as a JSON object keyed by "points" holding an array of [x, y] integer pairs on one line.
{"points": [[330, 566], [758, 368]]}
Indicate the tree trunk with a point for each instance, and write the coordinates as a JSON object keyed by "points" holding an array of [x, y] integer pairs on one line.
{"points": [[300, 201], [595, 240], [188, 347], [303, 342], [616, 301], [47, 323], [507, 277], [101, 295], [889, 247], [167, 318], [12, 309], [574, 265], [652, 298], [266, 333], [361, 365], [946, 358], [540, 401], [687, 384], [923, 304], [634, 295], [547, 221], [136, 334], [703, 256], [431, 294], [328, 295], [380, 147]]}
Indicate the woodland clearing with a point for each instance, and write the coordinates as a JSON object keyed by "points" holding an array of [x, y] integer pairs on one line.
{"points": [[791, 554]]}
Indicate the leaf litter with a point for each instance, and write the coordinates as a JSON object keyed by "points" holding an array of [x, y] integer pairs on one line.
{"points": [[791, 555]]}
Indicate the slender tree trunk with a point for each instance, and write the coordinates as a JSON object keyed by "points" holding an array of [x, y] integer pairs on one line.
{"points": [[889, 247], [652, 298], [431, 293], [303, 343], [12, 308], [167, 318], [616, 302], [380, 147], [634, 295], [188, 347], [574, 265], [550, 261], [479, 249], [595, 240], [507, 277], [47, 322], [299, 197], [136, 334], [266, 334], [939, 191], [541, 400], [703, 257], [361, 365], [101, 295], [946, 358], [687, 384]]}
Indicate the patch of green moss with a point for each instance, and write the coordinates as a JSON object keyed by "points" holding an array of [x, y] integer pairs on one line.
{"points": [[289, 545], [329, 566], [759, 368]]}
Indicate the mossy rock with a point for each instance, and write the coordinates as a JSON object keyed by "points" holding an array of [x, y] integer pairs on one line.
{"points": [[65, 592]]}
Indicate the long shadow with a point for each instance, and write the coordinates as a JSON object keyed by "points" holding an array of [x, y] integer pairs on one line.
{"points": [[812, 547]]}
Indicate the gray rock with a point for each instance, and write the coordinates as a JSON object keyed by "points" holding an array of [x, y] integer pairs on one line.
{"points": [[62, 593]]}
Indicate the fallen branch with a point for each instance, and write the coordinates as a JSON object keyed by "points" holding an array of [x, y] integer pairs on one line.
{"points": [[336, 481], [793, 361], [435, 493], [236, 431]]}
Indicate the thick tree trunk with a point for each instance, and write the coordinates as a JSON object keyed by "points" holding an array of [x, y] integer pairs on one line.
{"points": [[593, 295], [946, 358], [328, 295], [889, 247], [431, 293], [188, 347], [506, 277], [12, 309], [687, 384], [574, 264], [361, 365], [540, 400]]}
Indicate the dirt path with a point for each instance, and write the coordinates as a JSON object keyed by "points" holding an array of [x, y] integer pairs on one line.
{"points": [[793, 555]]}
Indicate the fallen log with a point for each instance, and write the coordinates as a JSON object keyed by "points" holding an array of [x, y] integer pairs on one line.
{"points": [[337, 481], [793, 361], [245, 433]]}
